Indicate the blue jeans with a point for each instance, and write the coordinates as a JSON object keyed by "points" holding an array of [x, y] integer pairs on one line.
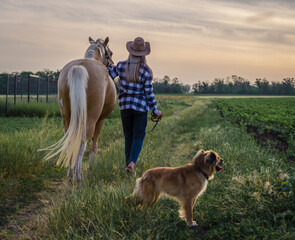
{"points": [[134, 125]]}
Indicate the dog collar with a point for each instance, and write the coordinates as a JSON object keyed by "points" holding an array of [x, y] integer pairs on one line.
{"points": [[205, 175]]}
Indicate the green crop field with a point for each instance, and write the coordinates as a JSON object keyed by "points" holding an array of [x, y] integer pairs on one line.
{"points": [[271, 115], [276, 115], [252, 198]]}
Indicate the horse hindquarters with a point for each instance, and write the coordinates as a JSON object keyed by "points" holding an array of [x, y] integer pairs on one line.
{"points": [[101, 98]]}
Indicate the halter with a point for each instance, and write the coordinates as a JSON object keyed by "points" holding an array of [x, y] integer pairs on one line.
{"points": [[106, 53], [107, 56]]}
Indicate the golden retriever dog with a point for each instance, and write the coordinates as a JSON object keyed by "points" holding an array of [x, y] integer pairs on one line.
{"points": [[184, 183]]}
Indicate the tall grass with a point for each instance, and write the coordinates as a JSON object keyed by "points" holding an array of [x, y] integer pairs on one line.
{"points": [[32, 109], [22, 173], [99, 210], [252, 198]]}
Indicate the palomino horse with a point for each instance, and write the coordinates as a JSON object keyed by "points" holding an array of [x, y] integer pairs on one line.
{"points": [[87, 95]]}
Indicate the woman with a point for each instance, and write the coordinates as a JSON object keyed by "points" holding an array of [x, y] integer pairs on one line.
{"points": [[136, 97]]}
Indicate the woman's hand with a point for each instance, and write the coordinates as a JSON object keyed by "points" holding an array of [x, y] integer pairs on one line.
{"points": [[159, 114]]}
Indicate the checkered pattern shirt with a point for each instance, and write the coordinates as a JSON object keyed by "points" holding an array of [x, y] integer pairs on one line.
{"points": [[138, 96]]}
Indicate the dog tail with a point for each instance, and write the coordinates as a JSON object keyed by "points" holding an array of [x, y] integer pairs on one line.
{"points": [[138, 189], [145, 191]]}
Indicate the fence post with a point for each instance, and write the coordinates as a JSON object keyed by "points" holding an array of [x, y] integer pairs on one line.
{"points": [[47, 89], [21, 89], [15, 88], [28, 88], [7, 91], [38, 86]]}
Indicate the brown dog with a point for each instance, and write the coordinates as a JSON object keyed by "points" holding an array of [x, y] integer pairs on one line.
{"points": [[185, 183]]}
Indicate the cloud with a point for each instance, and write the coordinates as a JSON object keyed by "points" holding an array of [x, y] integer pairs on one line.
{"points": [[260, 17], [219, 34]]}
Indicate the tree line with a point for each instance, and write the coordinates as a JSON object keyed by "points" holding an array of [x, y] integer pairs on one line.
{"points": [[230, 85], [239, 85], [167, 85]]}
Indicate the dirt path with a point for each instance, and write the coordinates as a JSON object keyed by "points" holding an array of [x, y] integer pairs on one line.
{"points": [[22, 224]]}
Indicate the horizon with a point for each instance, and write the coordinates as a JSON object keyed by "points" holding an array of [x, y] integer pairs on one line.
{"points": [[190, 40]]}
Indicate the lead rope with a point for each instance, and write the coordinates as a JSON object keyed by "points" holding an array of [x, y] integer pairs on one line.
{"points": [[154, 118]]}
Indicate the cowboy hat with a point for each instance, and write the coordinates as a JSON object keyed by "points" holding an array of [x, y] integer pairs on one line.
{"points": [[138, 47]]}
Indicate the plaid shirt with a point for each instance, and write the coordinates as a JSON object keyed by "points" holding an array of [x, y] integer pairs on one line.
{"points": [[138, 96]]}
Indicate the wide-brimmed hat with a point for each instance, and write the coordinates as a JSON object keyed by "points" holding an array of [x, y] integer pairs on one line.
{"points": [[138, 47]]}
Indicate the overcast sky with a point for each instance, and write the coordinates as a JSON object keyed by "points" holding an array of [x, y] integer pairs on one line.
{"points": [[193, 40]]}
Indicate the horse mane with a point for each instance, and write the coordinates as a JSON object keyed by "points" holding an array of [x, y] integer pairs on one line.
{"points": [[92, 51]]}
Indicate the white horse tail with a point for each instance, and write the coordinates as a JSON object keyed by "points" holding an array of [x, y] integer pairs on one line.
{"points": [[69, 145]]}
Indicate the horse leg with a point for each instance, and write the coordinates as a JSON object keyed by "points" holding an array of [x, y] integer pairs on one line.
{"points": [[93, 144], [78, 163], [70, 174]]}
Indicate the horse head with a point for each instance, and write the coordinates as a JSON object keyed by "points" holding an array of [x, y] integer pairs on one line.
{"points": [[100, 51]]}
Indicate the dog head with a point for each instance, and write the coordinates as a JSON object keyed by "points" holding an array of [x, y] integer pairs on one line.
{"points": [[208, 161]]}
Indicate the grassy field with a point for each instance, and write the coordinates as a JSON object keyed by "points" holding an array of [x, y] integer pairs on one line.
{"points": [[252, 198], [32, 109]]}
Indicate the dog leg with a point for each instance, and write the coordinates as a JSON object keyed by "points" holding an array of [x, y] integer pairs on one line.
{"points": [[156, 197], [188, 212], [148, 193]]}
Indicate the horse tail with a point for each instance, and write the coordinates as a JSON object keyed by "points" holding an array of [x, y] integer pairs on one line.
{"points": [[69, 145]]}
